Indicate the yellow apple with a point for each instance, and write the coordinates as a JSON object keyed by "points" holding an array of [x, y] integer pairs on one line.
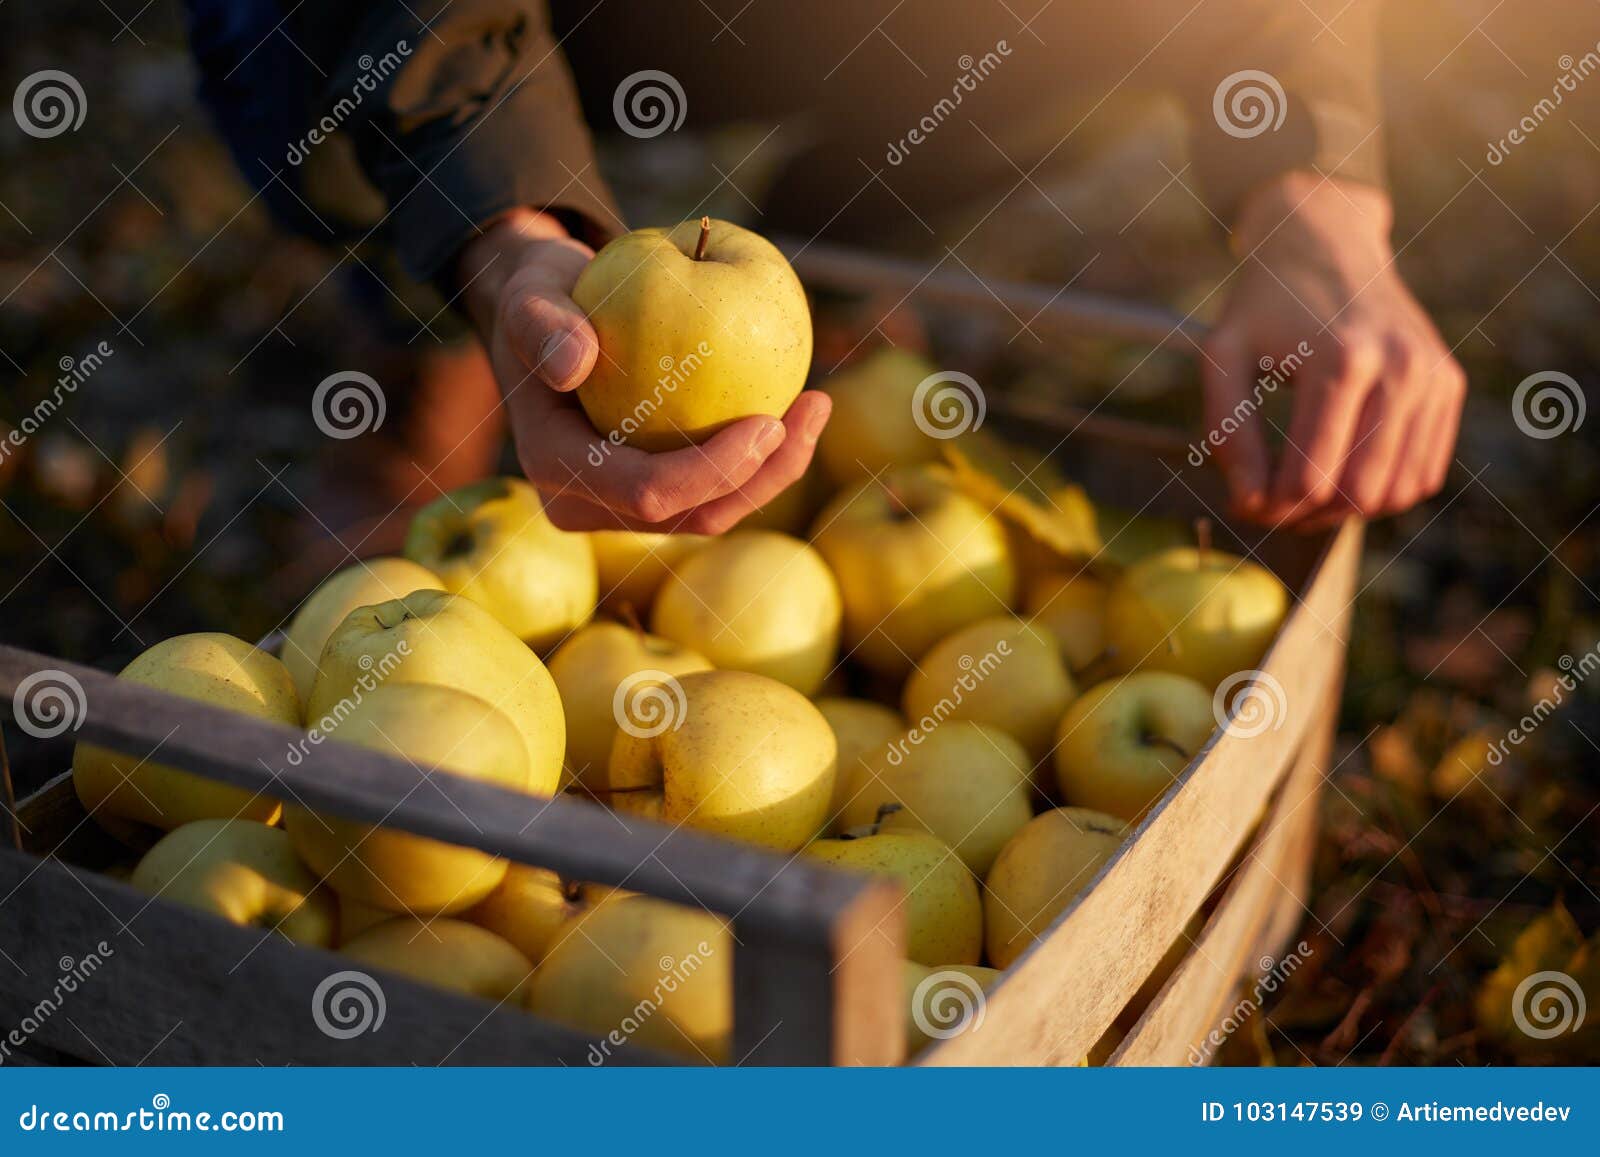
{"points": [[1072, 607], [915, 560], [373, 580], [446, 953], [699, 326], [218, 670], [874, 422], [356, 917], [531, 909], [943, 1001], [492, 542], [428, 726], [1121, 746], [244, 872], [793, 509], [998, 671], [860, 729], [727, 752], [588, 669], [433, 637], [967, 784], [1041, 871], [631, 565], [944, 914], [755, 601], [1202, 613]]}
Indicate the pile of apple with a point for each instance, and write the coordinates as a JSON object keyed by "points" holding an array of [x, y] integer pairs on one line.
{"points": [[907, 665]]}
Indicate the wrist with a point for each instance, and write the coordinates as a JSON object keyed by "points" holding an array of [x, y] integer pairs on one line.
{"points": [[1303, 205], [487, 262]]}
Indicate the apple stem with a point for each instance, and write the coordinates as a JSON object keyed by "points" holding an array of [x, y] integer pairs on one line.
{"points": [[1202, 539], [884, 812], [705, 235]]}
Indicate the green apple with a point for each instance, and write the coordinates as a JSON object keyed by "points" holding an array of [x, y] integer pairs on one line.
{"points": [[631, 566], [874, 422], [433, 637], [727, 752], [699, 326], [944, 914], [373, 580], [998, 671], [657, 974], [1072, 607], [967, 784], [220, 671], [1202, 613], [1041, 871], [755, 601], [492, 542], [915, 561], [588, 669], [1124, 743], [446, 953], [244, 872], [860, 728], [531, 909], [428, 726], [943, 1001]]}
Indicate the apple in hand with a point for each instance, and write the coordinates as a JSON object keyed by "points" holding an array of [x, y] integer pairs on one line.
{"points": [[492, 542], [874, 422], [699, 326], [728, 752], [244, 872], [944, 914], [446, 953], [631, 566], [588, 668], [635, 956], [218, 670], [1041, 871], [373, 580], [438, 638], [915, 561], [1072, 607], [1193, 611], [860, 728], [1122, 745], [427, 726], [999, 671], [967, 784], [755, 601]]}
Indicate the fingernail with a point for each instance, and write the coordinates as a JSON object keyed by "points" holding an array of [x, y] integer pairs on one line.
{"points": [[558, 358], [814, 425], [772, 434]]}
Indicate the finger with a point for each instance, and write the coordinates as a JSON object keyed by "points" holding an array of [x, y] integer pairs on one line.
{"points": [[1233, 428], [1414, 459], [572, 513], [1374, 458], [1452, 382], [544, 327], [1328, 404], [804, 421]]}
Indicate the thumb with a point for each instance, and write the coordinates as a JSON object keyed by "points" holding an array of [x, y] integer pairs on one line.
{"points": [[551, 336]]}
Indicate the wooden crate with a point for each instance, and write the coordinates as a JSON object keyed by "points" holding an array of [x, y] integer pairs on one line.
{"points": [[817, 973]]}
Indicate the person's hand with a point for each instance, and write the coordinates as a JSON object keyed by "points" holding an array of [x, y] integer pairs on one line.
{"points": [[1378, 397], [518, 277]]}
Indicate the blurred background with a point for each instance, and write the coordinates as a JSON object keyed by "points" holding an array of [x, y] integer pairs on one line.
{"points": [[184, 486]]}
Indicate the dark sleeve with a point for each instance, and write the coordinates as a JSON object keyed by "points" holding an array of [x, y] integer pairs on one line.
{"points": [[1271, 88], [460, 110]]}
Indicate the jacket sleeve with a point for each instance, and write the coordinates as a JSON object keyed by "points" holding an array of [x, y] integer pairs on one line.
{"points": [[1277, 85], [460, 110]]}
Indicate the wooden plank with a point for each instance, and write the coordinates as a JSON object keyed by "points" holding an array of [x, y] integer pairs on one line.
{"points": [[1058, 999], [1263, 904]]}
